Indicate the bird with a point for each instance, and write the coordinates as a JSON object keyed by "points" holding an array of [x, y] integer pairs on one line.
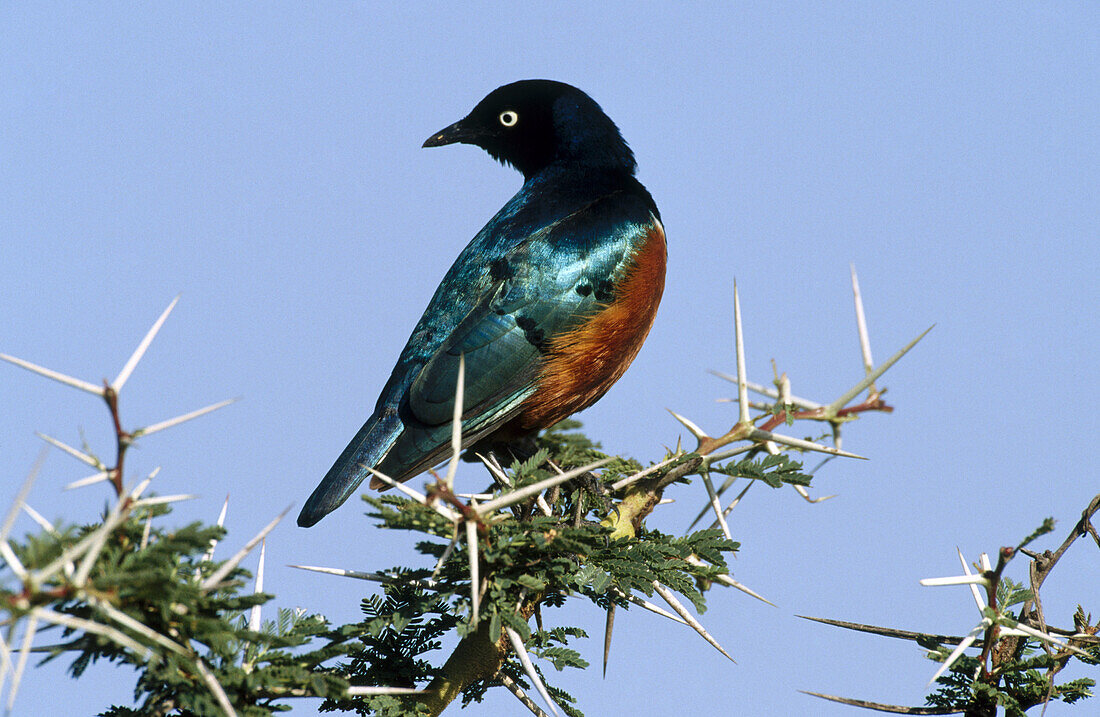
{"points": [[547, 306]]}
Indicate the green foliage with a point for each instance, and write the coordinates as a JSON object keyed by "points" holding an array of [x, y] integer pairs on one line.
{"points": [[156, 581], [773, 470], [1020, 673]]}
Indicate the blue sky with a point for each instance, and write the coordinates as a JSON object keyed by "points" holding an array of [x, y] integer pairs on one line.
{"points": [[263, 161]]}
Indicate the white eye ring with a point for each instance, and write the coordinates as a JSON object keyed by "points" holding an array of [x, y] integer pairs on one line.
{"points": [[508, 118]]}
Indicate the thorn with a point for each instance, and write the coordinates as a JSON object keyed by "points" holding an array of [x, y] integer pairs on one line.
{"points": [[715, 505], [215, 688], [146, 530], [977, 595], [870, 378], [209, 554], [59, 377], [624, 482], [417, 496], [90, 480], [24, 653], [99, 538], [21, 495], [676, 605], [955, 580], [525, 660], [475, 582], [254, 619], [41, 520], [530, 490], [608, 625], [806, 494], [456, 422], [180, 419], [742, 394], [77, 623], [861, 324], [958, 651], [699, 433], [650, 606], [770, 392], [233, 562], [367, 690], [132, 363], [373, 577], [496, 470], [520, 695], [446, 554], [79, 455], [761, 435]]}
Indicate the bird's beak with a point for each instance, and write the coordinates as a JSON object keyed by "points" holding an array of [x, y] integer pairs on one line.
{"points": [[458, 132]]}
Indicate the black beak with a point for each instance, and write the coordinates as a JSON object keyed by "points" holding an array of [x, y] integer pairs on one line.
{"points": [[458, 132]]}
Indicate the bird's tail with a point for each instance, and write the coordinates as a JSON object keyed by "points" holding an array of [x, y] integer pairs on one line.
{"points": [[366, 451]]}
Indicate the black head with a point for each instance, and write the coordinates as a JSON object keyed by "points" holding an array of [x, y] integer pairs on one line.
{"points": [[532, 124]]}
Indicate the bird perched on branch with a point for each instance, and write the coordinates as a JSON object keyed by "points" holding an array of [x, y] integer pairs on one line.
{"points": [[548, 304]]}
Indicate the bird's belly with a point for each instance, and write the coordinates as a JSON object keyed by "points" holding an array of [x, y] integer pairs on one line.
{"points": [[582, 364]]}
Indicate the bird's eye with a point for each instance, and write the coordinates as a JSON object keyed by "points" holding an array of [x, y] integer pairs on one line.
{"points": [[508, 118]]}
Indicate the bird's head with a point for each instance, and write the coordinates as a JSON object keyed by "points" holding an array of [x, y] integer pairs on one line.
{"points": [[532, 124]]}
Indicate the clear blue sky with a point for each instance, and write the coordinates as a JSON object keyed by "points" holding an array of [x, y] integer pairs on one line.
{"points": [[264, 161]]}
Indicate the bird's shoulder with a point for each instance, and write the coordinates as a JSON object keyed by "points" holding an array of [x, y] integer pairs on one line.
{"points": [[553, 236]]}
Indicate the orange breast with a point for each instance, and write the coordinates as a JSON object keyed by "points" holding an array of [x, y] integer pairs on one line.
{"points": [[581, 365]]}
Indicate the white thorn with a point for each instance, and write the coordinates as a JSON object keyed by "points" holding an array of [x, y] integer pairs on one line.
{"points": [[475, 582], [366, 690], [525, 660], [762, 435], [163, 500], [77, 623], [978, 599], [209, 554], [21, 496], [715, 505], [12, 560], [960, 648], [79, 455], [40, 519], [861, 324], [99, 538], [742, 394], [254, 622], [870, 378], [769, 392], [232, 563], [530, 490], [496, 470], [180, 419], [142, 629], [446, 555], [456, 422], [416, 495], [728, 581], [215, 688], [955, 580], [59, 377], [699, 433], [806, 494], [90, 480], [373, 577], [24, 653], [132, 363], [624, 482], [676, 605], [146, 530]]}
